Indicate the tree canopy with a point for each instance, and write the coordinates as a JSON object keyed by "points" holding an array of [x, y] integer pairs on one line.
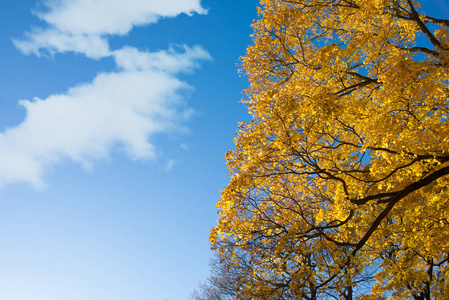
{"points": [[339, 183]]}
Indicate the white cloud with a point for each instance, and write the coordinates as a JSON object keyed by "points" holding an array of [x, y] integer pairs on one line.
{"points": [[130, 58], [169, 165], [54, 41], [123, 108], [84, 25], [112, 16], [185, 146]]}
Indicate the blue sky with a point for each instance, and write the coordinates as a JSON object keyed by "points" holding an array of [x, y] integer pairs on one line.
{"points": [[115, 117], [111, 174]]}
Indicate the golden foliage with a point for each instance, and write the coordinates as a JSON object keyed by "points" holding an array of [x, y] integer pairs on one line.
{"points": [[339, 184]]}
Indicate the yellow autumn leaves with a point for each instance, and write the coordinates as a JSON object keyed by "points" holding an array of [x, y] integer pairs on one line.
{"points": [[339, 184]]}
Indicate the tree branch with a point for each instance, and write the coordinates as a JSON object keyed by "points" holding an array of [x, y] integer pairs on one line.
{"points": [[415, 16]]}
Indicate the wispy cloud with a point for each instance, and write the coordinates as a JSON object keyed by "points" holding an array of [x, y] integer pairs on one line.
{"points": [[84, 25], [170, 61], [50, 41], [124, 108], [170, 163]]}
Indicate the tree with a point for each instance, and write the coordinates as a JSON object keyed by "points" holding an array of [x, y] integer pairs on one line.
{"points": [[222, 283], [339, 183]]}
